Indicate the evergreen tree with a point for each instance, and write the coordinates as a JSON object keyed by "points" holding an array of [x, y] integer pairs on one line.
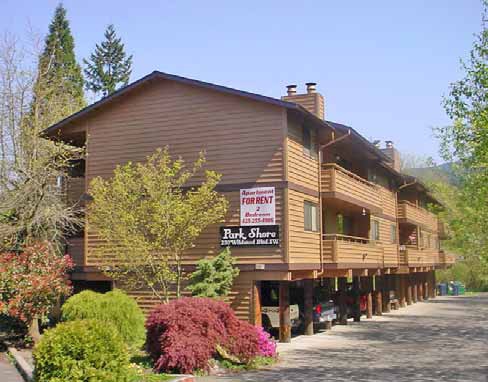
{"points": [[108, 66], [59, 74], [214, 278]]}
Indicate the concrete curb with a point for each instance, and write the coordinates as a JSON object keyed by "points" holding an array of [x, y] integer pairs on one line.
{"points": [[184, 378], [22, 365]]}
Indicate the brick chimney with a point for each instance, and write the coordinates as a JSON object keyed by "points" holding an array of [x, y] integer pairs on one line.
{"points": [[311, 100], [394, 155]]}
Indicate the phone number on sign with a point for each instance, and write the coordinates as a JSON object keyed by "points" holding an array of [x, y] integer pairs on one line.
{"points": [[257, 220]]}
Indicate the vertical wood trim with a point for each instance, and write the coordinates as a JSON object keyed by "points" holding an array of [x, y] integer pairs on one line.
{"points": [[284, 301], [285, 223], [256, 303], [308, 306]]}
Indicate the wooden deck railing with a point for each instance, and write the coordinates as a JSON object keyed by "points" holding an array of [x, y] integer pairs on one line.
{"points": [[352, 250], [446, 259], [413, 257], [345, 183], [418, 215]]}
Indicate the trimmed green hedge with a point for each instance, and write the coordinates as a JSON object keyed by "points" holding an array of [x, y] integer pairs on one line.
{"points": [[114, 307], [79, 351]]}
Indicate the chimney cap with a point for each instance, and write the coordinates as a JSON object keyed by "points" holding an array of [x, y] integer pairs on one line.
{"points": [[291, 89], [389, 144], [311, 87]]}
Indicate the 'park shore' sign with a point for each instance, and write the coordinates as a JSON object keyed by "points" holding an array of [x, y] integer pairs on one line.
{"points": [[258, 206], [250, 236]]}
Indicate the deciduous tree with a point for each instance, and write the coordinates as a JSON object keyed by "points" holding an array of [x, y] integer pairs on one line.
{"points": [[148, 214]]}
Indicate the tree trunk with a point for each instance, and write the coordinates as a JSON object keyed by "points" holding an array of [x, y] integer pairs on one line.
{"points": [[34, 330]]}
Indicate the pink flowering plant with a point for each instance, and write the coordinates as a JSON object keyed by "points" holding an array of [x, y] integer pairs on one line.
{"points": [[267, 346], [32, 281]]}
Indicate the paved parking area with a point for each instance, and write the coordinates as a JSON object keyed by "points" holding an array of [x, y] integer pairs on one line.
{"points": [[8, 372], [445, 339]]}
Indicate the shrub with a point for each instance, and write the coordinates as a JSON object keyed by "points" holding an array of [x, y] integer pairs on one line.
{"points": [[267, 346], [182, 336], [31, 282], [85, 350], [115, 307]]}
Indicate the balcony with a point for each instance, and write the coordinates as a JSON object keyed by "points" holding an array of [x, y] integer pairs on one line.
{"points": [[351, 251], [410, 213], [446, 259], [339, 183], [412, 256]]}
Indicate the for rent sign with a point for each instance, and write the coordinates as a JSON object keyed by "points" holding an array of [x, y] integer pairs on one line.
{"points": [[258, 206], [250, 236]]}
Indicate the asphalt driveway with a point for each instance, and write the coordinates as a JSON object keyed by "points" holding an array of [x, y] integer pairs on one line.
{"points": [[444, 339]]}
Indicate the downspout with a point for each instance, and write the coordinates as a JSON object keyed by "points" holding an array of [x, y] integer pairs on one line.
{"points": [[321, 147]]}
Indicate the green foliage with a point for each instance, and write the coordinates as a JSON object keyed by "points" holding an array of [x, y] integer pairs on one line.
{"points": [[148, 214], [214, 277], [59, 70], [108, 67], [256, 363], [114, 307], [79, 351], [471, 272], [466, 141], [31, 282]]}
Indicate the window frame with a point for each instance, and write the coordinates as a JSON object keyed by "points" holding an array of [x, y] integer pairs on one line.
{"points": [[393, 234], [308, 218], [375, 230]]}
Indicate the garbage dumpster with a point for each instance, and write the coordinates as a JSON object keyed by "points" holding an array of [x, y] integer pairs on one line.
{"points": [[442, 289], [462, 289], [455, 289]]}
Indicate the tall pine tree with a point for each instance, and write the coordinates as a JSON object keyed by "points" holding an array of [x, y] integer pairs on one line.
{"points": [[108, 67], [61, 91]]}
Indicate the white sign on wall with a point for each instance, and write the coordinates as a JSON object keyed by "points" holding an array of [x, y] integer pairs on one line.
{"points": [[258, 206]]}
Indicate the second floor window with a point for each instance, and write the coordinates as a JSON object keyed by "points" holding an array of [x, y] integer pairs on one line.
{"points": [[311, 216], [393, 234], [375, 230], [308, 146]]}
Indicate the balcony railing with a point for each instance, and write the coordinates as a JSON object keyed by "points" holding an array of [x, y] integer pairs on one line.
{"points": [[446, 259], [417, 215], [351, 250], [414, 257], [348, 186]]}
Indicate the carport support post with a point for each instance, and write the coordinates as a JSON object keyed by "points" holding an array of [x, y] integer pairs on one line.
{"points": [[402, 291], [342, 284], [357, 299], [308, 305], [256, 302], [408, 281], [386, 293], [284, 301], [420, 287], [426, 285], [434, 285], [413, 279], [377, 294], [369, 296]]}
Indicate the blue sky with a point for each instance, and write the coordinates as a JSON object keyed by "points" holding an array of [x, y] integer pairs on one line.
{"points": [[383, 66]]}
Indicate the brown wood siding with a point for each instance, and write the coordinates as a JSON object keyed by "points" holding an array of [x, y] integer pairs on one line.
{"points": [[304, 245], [302, 168], [388, 201], [242, 138], [239, 298], [75, 248], [390, 250], [208, 243]]}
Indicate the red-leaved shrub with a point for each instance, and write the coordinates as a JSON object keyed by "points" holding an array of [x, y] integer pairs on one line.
{"points": [[182, 336]]}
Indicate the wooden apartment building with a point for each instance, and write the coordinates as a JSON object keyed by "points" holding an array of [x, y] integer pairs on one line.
{"points": [[340, 208]]}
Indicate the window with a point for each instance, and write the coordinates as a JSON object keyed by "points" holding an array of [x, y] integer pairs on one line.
{"points": [[393, 234], [375, 230], [308, 146], [311, 216]]}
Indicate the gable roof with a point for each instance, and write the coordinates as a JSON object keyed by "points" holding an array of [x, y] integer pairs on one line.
{"points": [[184, 80]]}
